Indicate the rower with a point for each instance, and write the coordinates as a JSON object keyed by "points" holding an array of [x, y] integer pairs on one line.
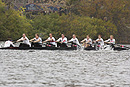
{"points": [[62, 42], [25, 40], [111, 40], [100, 41], [37, 41], [74, 40], [9, 43], [87, 42], [51, 40]]}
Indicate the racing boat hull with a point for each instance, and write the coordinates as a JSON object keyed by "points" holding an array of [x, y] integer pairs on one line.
{"points": [[115, 48], [40, 48]]}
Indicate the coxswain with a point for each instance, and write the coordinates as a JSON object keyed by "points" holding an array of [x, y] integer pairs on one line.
{"points": [[62, 42], [9, 43], [87, 42], [25, 40], [37, 41]]}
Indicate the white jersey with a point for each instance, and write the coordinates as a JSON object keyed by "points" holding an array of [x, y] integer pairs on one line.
{"points": [[38, 39], [74, 40], [8, 44], [86, 40], [111, 41], [64, 40], [26, 41], [101, 42], [53, 40]]}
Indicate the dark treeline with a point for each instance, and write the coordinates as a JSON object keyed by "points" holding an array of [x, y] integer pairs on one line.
{"points": [[115, 11], [84, 17]]}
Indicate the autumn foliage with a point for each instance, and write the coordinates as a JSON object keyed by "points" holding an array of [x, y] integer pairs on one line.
{"points": [[116, 11], [82, 17]]}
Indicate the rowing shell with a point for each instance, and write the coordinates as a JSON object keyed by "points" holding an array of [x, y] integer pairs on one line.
{"points": [[40, 48], [115, 48]]}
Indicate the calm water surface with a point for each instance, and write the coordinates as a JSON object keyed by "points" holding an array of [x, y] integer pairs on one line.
{"points": [[42, 68]]}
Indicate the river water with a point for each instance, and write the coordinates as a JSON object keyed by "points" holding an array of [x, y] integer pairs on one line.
{"points": [[43, 68]]}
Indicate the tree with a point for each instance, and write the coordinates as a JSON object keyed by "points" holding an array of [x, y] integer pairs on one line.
{"points": [[116, 11], [81, 26], [12, 24]]}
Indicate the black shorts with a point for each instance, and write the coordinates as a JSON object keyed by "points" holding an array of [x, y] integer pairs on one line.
{"points": [[61, 45], [23, 45], [36, 45]]}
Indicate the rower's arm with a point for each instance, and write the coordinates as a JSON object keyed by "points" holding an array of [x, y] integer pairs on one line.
{"points": [[58, 40], [37, 41], [83, 41], [70, 40], [107, 40], [47, 40], [31, 40], [99, 40], [20, 40]]}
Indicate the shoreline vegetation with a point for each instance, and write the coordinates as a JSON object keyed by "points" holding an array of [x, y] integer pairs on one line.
{"points": [[105, 17]]}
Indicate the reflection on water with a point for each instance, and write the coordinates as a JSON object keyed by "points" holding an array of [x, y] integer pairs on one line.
{"points": [[42, 68]]}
